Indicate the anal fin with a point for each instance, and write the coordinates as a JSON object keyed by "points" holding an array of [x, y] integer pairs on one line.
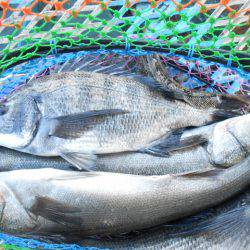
{"points": [[82, 161]]}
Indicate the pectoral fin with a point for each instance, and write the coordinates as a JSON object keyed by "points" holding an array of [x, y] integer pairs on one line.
{"points": [[57, 212], [225, 223], [173, 142], [73, 126], [82, 161]]}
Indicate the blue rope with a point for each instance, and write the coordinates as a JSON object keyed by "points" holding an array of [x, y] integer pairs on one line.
{"points": [[127, 46], [191, 51], [229, 62], [53, 46], [35, 244]]}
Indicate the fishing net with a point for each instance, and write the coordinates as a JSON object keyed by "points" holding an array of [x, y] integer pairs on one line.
{"points": [[191, 75], [204, 45], [214, 30]]}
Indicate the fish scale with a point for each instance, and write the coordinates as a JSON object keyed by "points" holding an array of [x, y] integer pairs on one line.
{"points": [[136, 115], [197, 157], [108, 203]]}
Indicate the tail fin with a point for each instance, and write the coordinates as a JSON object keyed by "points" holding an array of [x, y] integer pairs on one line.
{"points": [[231, 102], [221, 115]]}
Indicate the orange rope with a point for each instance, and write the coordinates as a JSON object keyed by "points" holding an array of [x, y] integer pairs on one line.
{"points": [[59, 6]]}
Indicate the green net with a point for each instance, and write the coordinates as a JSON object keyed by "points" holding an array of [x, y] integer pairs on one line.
{"points": [[214, 30]]}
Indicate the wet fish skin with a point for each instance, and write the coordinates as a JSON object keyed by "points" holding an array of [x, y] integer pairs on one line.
{"points": [[57, 201], [18, 124], [224, 227], [194, 159], [228, 143], [128, 163], [14, 160], [148, 115]]}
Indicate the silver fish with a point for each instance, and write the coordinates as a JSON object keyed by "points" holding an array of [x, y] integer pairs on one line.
{"points": [[224, 144], [77, 115], [228, 142], [57, 201], [14, 160], [224, 227], [128, 163], [194, 159]]}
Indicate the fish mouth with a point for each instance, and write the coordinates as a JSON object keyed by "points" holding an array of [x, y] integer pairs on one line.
{"points": [[242, 146]]}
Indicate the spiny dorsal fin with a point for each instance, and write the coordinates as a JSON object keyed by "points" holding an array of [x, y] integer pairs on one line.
{"points": [[153, 65]]}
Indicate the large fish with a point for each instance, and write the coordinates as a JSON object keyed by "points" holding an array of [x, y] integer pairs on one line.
{"points": [[224, 227], [57, 201], [224, 144], [77, 115], [128, 163]]}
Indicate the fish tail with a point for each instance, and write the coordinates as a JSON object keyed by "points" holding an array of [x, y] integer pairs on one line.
{"points": [[220, 115]]}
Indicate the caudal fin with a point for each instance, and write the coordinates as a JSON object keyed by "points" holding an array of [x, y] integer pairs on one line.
{"points": [[221, 115]]}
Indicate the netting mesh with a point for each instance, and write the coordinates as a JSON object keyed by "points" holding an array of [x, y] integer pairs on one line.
{"points": [[208, 29], [190, 74], [205, 45], [15, 243]]}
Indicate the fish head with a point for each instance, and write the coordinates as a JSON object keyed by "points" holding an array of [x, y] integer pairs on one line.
{"points": [[14, 217], [240, 128], [18, 122]]}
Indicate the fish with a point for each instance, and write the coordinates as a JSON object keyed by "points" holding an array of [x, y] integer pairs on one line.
{"points": [[128, 163], [224, 144], [98, 203], [14, 160], [79, 115], [226, 226]]}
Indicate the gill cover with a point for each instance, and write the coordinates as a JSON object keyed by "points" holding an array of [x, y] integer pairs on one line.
{"points": [[14, 217], [18, 122]]}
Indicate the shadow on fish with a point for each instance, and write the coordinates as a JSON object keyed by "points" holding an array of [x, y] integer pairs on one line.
{"points": [[222, 144], [96, 203], [78, 115]]}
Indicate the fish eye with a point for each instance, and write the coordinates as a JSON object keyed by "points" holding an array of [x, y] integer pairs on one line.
{"points": [[3, 110]]}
